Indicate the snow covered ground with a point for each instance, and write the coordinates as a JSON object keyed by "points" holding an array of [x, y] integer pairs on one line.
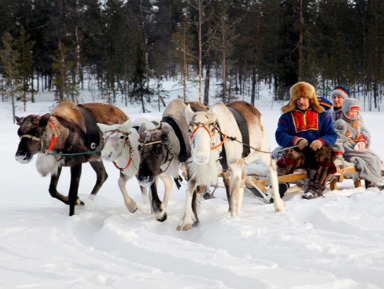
{"points": [[331, 242]]}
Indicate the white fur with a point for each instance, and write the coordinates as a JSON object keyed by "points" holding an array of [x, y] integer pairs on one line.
{"points": [[46, 164]]}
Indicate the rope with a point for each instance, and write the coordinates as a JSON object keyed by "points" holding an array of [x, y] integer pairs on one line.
{"points": [[74, 154], [256, 149]]}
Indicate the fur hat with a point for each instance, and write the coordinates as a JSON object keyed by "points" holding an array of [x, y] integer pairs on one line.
{"points": [[302, 89], [342, 91], [350, 103]]}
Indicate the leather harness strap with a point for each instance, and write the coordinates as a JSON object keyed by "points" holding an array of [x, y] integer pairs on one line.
{"points": [[92, 131], [183, 151], [242, 124]]}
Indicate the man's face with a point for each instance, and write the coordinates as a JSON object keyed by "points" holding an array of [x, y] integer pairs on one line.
{"points": [[302, 103]]}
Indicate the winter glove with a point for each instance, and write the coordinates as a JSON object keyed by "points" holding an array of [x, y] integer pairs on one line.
{"points": [[361, 138], [301, 142], [316, 145], [359, 146]]}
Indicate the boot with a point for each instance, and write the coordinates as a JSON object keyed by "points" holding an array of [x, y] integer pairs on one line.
{"points": [[314, 190], [283, 187], [368, 184]]}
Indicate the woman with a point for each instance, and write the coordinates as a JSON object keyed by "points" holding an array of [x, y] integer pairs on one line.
{"points": [[353, 141], [338, 94]]}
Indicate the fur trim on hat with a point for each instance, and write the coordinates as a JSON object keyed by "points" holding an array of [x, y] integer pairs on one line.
{"points": [[348, 103], [302, 89], [342, 91]]}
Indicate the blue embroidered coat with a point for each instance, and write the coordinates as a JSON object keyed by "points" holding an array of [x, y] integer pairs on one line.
{"points": [[307, 124]]}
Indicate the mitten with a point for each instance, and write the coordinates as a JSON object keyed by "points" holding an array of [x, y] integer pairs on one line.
{"points": [[301, 142], [361, 138], [316, 144], [359, 146]]}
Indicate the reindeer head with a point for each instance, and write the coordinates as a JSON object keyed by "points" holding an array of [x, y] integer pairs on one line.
{"points": [[31, 133], [154, 152]]}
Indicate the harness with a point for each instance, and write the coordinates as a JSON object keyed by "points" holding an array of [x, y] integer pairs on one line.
{"points": [[126, 142], [183, 151], [52, 143], [73, 129]]}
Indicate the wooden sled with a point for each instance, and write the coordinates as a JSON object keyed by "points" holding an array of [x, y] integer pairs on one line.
{"points": [[261, 182]]}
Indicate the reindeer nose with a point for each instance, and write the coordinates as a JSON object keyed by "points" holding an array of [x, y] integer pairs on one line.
{"points": [[106, 155]]}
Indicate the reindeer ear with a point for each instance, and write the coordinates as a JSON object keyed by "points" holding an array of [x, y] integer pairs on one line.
{"points": [[19, 120], [212, 117], [126, 126], [103, 127], [142, 133], [164, 133], [142, 128], [44, 120], [188, 114]]}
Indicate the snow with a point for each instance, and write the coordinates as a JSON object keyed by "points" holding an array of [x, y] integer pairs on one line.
{"points": [[331, 242]]}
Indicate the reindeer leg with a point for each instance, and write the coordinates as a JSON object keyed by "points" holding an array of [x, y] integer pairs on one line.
{"points": [[188, 218], [237, 189], [277, 201], [74, 187], [168, 183], [227, 185], [53, 187], [156, 204], [129, 203], [144, 194], [101, 176]]}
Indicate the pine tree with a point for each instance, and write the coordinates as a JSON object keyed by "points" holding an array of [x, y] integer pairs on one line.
{"points": [[25, 47], [182, 56], [64, 83], [9, 58]]}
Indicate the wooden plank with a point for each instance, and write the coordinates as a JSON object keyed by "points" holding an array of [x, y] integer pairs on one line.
{"points": [[261, 183]]}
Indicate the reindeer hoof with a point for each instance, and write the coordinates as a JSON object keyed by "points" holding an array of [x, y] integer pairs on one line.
{"points": [[79, 202], [162, 219], [187, 227], [208, 196]]}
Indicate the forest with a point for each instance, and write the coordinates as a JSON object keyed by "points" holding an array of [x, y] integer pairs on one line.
{"points": [[116, 47]]}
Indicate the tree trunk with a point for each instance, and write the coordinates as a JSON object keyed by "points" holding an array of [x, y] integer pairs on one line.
{"points": [[301, 40]]}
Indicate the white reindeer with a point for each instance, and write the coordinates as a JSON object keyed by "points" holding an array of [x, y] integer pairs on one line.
{"points": [[210, 133]]}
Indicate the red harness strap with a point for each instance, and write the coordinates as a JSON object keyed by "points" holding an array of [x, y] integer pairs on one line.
{"points": [[284, 162], [331, 165], [207, 130], [53, 140], [199, 126], [129, 160]]}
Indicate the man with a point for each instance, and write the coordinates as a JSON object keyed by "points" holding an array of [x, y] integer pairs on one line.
{"points": [[305, 126]]}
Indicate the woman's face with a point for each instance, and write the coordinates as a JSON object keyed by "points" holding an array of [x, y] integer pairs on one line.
{"points": [[337, 100], [353, 112]]}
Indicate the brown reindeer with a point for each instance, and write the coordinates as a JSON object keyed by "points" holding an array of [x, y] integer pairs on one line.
{"points": [[68, 136]]}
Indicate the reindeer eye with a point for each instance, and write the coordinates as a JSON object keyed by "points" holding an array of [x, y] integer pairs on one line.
{"points": [[122, 137], [158, 149]]}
